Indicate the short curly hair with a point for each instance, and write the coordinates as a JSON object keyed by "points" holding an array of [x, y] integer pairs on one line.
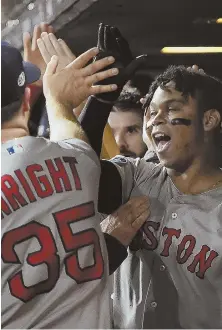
{"points": [[207, 90]]}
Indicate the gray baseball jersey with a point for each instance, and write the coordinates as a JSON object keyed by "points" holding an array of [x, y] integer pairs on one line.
{"points": [[54, 258], [175, 280]]}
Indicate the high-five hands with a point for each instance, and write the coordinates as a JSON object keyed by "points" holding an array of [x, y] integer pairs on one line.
{"points": [[111, 42], [31, 50], [49, 45], [76, 81]]}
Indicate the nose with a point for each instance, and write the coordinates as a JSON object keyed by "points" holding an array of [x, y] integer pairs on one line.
{"points": [[121, 141], [156, 120]]}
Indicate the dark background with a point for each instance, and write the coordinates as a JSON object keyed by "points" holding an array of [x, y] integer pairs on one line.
{"points": [[148, 25]]}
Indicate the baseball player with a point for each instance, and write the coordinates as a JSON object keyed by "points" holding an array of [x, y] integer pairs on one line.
{"points": [[54, 261], [183, 288]]}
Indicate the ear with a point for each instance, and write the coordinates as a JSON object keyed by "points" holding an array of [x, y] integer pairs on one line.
{"points": [[211, 120], [26, 100]]}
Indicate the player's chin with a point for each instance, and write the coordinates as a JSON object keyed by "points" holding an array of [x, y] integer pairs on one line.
{"points": [[168, 157]]}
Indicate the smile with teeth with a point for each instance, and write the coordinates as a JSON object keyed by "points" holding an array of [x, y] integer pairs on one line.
{"points": [[162, 141]]}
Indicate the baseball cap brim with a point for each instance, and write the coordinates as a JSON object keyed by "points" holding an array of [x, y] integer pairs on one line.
{"points": [[32, 72]]}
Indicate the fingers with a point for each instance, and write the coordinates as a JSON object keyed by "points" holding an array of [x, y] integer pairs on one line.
{"points": [[137, 202], [97, 65], [111, 42], [66, 50], [52, 65], [55, 45], [31, 43], [48, 44], [84, 58], [106, 37], [91, 80], [38, 30], [139, 221], [195, 68], [50, 29], [36, 35], [98, 89], [136, 207], [43, 50], [130, 211], [27, 41], [100, 40]]}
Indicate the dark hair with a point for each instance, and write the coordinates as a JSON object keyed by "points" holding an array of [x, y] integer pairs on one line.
{"points": [[207, 90], [129, 100], [9, 111]]}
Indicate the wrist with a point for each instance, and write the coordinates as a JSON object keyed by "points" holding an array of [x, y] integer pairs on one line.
{"points": [[57, 102]]}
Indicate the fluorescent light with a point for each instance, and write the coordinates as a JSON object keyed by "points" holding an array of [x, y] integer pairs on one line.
{"points": [[191, 50], [219, 21]]}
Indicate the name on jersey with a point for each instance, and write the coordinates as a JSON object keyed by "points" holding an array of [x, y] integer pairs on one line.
{"points": [[196, 263], [57, 176]]}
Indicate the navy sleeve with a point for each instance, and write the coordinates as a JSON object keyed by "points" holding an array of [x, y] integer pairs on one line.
{"points": [[110, 188], [117, 252], [93, 119]]}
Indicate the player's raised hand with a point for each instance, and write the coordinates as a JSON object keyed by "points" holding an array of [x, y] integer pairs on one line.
{"points": [[73, 84], [31, 50], [49, 45], [111, 42], [124, 223]]}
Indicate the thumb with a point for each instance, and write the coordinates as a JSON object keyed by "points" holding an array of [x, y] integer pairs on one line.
{"points": [[52, 65], [135, 65]]}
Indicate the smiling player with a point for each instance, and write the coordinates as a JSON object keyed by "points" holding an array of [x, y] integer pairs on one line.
{"points": [[183, 286]]}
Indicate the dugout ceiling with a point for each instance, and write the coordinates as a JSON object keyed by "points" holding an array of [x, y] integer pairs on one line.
{"points": [[149, 25]]}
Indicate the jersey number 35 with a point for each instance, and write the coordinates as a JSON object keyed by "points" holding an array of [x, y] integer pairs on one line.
{"points": [[48, 254]]}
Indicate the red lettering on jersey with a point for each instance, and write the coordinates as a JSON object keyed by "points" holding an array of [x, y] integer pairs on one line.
{"points": [[170, 232], [25, 186], [188, 251], [149, 228], [58, 175], [11, 191], [41, 183], [46, 255], [74, 241], [72, 161], [4, 208], [203, 261]]}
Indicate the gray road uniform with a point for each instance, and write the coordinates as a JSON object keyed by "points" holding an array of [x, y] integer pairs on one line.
{"points": [[54, 258], [175, 280]]}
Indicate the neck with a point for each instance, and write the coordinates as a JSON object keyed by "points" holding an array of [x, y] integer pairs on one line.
{"points": [[12, 133], [199, 177]]}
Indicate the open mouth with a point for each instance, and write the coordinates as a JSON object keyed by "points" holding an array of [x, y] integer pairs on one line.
{"points": [[162, 141]]}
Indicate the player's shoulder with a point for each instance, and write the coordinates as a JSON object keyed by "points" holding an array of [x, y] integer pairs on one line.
{"points": [[22, 145], [137, 165], [138, 171], [80, 147]]}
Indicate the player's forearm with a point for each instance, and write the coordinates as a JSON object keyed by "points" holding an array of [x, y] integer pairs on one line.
{"points": [[93, 119], [63, 123]]}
